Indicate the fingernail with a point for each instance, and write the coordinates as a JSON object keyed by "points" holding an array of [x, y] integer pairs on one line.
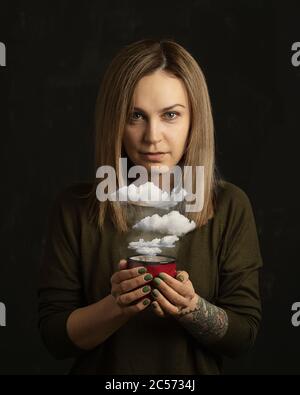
{"points": [[146, 289], [157, 280], [148, 277], [142, 270], [162, 276], [154, 305], [180, 277], [146, 301], [154, 293]]}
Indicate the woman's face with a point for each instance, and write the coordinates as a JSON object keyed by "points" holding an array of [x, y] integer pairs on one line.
{"points": [[157, 131]]}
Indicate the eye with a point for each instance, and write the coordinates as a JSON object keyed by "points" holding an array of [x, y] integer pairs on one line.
{"points": [[133, 118], [172, 112], [170, 115]]}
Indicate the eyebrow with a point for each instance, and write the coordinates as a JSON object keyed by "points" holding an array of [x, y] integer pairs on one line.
{"points": [[163, 109]]}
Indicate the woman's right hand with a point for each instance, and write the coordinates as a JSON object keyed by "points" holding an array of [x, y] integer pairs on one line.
{"points": [[129, 286]]}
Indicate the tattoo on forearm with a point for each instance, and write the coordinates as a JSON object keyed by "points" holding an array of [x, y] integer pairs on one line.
{"points": [[207, 322]]}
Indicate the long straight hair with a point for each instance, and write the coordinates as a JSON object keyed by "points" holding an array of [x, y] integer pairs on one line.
{"points": [[114, 105]]}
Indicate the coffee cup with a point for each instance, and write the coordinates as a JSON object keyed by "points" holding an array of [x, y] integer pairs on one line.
{"points": [[154, 264]]}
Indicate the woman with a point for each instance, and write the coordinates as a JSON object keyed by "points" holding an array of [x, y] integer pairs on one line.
{"points": [[92, 306]]}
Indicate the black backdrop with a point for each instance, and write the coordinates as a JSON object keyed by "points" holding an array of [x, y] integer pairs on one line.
{"points": [[56, 53]]}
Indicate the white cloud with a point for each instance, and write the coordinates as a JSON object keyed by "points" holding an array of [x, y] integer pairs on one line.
{"points": [[172, 223], [153, 247], [151, 195], [148, 250]]}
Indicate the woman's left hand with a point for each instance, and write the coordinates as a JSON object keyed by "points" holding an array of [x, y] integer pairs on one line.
{"points": [[173, 295]]}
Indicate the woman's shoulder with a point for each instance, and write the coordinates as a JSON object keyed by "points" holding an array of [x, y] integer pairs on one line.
{"points": [[231, 196], [77, 190], [229, 191], [75, 195], [72, 203]]}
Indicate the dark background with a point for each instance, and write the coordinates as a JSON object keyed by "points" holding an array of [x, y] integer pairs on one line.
{"points": [[56, 54]]}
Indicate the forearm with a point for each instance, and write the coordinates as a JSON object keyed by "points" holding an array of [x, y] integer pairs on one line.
{"points": [[89, 326], [205, 321]]}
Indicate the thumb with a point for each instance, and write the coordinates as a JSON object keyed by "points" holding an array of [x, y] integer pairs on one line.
{"points": [[182, 276], [122, 264]]}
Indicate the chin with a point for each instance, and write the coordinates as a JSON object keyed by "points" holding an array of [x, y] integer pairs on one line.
{"points": [[157, 164]]}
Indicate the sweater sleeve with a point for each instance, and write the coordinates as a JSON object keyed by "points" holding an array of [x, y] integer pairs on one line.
{"points": [[239, 288], [60, 289]]}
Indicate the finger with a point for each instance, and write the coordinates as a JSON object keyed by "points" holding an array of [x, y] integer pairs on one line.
{"points": [[139, 306], [182, 276], [172, 295], [131, 297], [157, 309], [133, 283], [174, 286], [126, 274], [122, 264], [164, 304]]}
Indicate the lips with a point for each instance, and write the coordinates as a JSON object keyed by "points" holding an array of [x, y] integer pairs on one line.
{"points": [[154, 157], [152, 153]]}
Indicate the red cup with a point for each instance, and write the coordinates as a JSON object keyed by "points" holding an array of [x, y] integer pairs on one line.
{"points": [[154, 264]]}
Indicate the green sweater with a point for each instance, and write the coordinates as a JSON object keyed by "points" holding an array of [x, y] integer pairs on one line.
{"points": [[223, 261]]}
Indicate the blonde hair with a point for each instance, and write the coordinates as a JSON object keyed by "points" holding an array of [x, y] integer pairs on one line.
{"points": [[114, 104]]}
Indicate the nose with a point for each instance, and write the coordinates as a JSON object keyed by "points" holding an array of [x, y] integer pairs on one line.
{"points": [[152, 135]]}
